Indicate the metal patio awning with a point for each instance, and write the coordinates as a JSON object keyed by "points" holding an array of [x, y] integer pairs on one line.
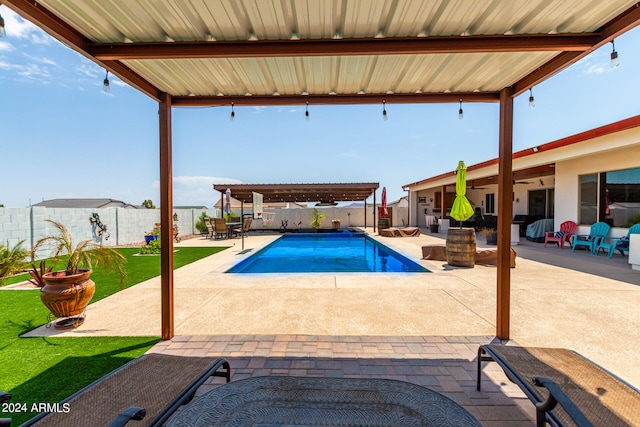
{"points": [[322, 193]]}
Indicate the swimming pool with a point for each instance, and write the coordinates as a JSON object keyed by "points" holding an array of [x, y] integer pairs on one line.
{"points": [[339, 252]]}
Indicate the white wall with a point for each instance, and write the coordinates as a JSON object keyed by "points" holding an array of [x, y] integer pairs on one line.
{"points": [[124, 226], [566, 189], [128, 226]]}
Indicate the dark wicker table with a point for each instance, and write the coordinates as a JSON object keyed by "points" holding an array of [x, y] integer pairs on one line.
{"points": [[305, 401]]}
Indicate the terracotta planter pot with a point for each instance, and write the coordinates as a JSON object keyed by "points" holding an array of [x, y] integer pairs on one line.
{"points": [[67, 296]]}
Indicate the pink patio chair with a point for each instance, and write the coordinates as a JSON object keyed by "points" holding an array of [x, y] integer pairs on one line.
{"points": [[567, 229]]}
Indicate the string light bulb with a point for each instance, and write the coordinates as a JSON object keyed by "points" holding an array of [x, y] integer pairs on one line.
{"points": [[105, 83], [614, 55], [232, 118], [306, 112], [3, 32], [532, 102], [460, 113], [384, 111]]}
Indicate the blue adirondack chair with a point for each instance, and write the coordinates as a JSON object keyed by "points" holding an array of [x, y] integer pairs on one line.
{"points": [[621, 244], [596, 235]]}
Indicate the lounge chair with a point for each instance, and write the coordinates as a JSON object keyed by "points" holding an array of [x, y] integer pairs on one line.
{"points": [[220, 229], [153, 385], [400, 232], [4, 398], [567, 229], [597, 234], [587, 394], [621, 244]]}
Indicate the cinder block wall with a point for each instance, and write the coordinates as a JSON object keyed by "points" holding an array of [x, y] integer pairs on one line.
{"points": [[123, 226], [128, 226]]}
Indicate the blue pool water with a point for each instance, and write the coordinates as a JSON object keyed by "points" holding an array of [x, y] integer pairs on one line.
{"points": [[313, 253]]}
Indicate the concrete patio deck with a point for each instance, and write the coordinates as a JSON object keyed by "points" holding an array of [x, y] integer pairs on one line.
{"points": [[422, 328]]}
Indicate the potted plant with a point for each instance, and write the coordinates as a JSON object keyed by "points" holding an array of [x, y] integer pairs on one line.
{"points": [[67, 293], [152, 235], [490, 235], [318, 217]]}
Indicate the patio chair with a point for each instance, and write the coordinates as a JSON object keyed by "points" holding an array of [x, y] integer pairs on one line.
{"points": [[567, 229], [220, 229], [246, 226], [596, 235], [210, 229], [621, 244]]}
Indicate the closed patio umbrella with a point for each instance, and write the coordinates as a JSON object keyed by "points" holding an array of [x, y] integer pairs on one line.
{"points": [[383, 208], [461, 209], [227, 206]]}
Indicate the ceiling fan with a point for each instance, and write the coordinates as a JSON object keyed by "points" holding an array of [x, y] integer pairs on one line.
{"points": [[522, 182]]}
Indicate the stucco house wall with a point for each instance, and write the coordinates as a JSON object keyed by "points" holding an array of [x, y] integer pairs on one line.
{"points": [[567, 172]]}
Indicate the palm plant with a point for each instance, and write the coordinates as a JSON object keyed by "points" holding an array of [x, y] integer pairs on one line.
{"points": [[83, 256], [318, 217], [12, 260]]}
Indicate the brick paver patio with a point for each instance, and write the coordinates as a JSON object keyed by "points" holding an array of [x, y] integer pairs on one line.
{"points": [[443, 364]]}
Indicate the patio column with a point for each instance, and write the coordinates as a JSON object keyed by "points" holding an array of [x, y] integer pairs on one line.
{"points": [[505, 212], [374, 211], [443, 202], [166, 217]]}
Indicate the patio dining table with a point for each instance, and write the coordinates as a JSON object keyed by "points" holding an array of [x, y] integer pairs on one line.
{"points": [[231, 226], [310, 401]]}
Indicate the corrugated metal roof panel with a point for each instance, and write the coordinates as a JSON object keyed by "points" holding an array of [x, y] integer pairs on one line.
{"points": [[191, 20], [320, 75], [109, 21]]}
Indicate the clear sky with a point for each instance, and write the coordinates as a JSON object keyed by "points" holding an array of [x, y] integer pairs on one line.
{"points": [[61, 136]]}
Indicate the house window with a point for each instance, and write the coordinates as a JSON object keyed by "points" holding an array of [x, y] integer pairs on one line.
{"points": [[612, 197], [588, 198], [621, 198], [490, 204]]}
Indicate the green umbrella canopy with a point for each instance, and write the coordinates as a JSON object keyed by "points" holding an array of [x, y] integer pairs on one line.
{"points": [[461, 209]]}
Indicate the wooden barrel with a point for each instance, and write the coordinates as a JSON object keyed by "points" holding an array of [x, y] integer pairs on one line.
{"points": [[383, 223], [461, 247]]}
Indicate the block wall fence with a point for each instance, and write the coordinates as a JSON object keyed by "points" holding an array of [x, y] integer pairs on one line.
{"points": [[128, 226]]}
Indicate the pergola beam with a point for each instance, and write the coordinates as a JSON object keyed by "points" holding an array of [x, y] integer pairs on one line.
{"points": [[344, 47], [338, 99]]}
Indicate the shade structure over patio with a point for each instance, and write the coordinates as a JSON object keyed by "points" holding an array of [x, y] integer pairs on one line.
{"points": [[333, 52], [320, 192]]}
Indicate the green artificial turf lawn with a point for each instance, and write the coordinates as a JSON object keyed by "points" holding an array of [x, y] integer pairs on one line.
{"points": [[47, 370]]}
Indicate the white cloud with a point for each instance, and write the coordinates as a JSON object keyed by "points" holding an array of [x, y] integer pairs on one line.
{"points": [[196, 190], [596, 63], [5, 46], [42, 60], [17, 27], [33, 72], [89, 69]]}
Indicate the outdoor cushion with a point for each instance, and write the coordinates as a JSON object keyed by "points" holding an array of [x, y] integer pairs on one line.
{"points": [[623, 242], [560, 234]]}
